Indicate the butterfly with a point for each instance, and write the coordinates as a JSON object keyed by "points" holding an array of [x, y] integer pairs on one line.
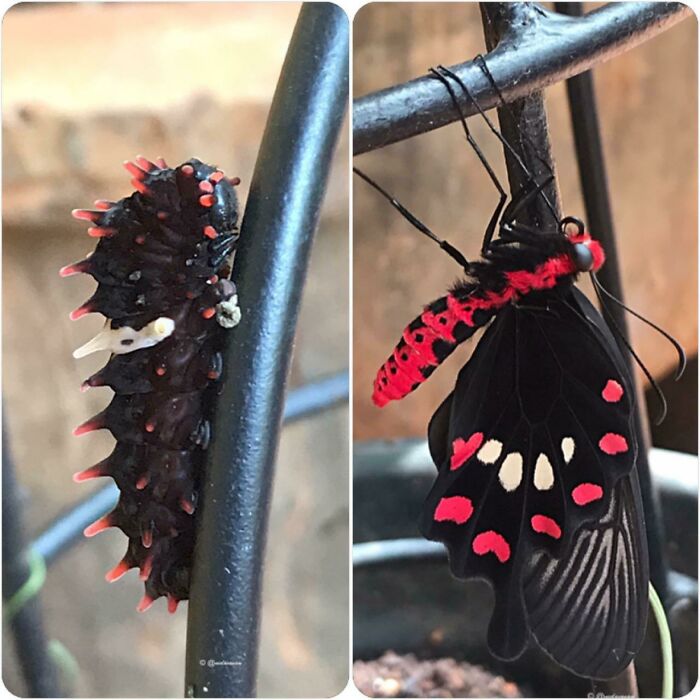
{"points": [[537, 490]]}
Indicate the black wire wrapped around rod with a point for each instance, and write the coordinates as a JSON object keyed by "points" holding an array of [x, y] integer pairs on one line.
{"points": [[552, 46], [282, 211]]}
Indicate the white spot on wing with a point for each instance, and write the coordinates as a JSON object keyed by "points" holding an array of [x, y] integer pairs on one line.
{"points": [[511, 472], [490, 451], [567, 448], [544, 474]]}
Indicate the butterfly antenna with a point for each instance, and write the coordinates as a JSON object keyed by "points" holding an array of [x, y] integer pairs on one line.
{"points": [[496, 132], [415, 221], [621, 336], [678, 347]]}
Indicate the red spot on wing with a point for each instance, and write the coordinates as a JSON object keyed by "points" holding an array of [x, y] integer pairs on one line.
{"points": [[545, 526], [584, 494], [612, 444], [613, 391], [463, 450], [457, 509], [491, 541]]}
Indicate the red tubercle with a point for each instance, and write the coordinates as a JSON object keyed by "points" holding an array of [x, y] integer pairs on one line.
{"points": [[147, 538], [142, 482], [146, 568], [612, 444], [209, 313], [75, 268], [146, 164], [117, 572], [95, 423], [216, 176], [160, 371], [104, 204], [187, 170], [162, 215], [234, 181], [145, 603], [160, 162], [173, 602], [89, 473], [213, 375], [187, 506], [87, 215], [456, 509], [210, 232], [99, 232], [586, 493], [150, 426], [207, 200], [140, 239], [613, 391], [138, 173], [491, 541], [140, 186], [206, 186], [98, 526], [464, 450], [545, 526]]}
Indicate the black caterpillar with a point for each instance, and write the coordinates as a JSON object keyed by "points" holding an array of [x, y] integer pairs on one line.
{"points": [[161, 265]]}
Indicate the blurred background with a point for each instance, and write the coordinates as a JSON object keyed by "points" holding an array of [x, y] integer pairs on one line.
{"points": [[418, 632], [85, 87], [647, 101]]}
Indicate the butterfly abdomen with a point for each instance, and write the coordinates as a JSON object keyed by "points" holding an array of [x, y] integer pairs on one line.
{"points": [[452, 319], [160, 265]]}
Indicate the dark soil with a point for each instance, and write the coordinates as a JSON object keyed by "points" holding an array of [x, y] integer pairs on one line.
{"points": [[394, 676]]}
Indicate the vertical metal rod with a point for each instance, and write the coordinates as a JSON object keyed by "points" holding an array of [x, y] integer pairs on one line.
{"points": [[27, 624], [594, 185], [522, 117], [286, 192]]}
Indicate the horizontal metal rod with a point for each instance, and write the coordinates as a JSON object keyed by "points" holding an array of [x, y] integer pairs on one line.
{"points": [[549, 48], [66, 530]]}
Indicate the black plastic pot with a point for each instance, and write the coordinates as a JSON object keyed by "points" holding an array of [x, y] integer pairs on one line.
{"points": [[406, 600]]}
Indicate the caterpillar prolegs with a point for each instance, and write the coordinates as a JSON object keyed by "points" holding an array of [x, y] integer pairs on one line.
{"points": [[161, 264]]}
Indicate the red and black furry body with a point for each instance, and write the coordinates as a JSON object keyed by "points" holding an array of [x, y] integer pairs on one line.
{"points": [[162, 258], [536, 489], [511, 272]]}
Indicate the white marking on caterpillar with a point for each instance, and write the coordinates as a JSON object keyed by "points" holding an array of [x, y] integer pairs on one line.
{"points": [[228, 313], [490, 452], [511, 472], [568, 446], [544, 474], [126, 339]]}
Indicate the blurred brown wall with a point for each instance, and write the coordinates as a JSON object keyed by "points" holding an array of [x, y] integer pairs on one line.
{"points": [[85, 87], [648, 112]]}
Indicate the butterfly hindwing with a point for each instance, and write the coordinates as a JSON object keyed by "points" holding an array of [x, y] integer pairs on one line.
{"points": [[538, 436]]}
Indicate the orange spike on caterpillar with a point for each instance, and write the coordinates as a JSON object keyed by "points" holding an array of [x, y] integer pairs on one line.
{"points": [[145, 603], [98, 526], [99, 232], [118, 571], [138, 173]]}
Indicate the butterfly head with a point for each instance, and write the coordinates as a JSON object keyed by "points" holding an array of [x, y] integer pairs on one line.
{"points": [[586, 253]]}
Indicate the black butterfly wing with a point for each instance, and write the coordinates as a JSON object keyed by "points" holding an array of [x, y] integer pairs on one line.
{"points": [[539, 434]]}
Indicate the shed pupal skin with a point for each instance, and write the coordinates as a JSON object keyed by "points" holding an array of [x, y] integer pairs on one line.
{"points": [[125, 339]]}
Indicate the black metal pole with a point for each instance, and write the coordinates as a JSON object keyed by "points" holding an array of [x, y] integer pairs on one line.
{"points": [[594, 185], [560, 48], [286, 191], [26, 623], [524, 122]]}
